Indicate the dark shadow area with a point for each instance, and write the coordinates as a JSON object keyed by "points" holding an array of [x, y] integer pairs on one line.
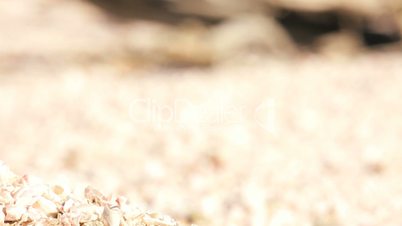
{"points": [[373, 39], [306, 27]]}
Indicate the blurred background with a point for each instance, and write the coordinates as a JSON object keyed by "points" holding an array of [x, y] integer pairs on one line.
{"points": [[249, 112]]}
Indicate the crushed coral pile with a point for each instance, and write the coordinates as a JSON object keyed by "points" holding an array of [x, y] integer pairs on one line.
{"points": [[27, 201]]}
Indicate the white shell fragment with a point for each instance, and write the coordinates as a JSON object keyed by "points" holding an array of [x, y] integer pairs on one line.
{"points": [[27, 201], [46, 206], [112, 216], [14, 213]]}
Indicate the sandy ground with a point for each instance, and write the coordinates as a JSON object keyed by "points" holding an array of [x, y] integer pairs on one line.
{"points": [[259, 141]]}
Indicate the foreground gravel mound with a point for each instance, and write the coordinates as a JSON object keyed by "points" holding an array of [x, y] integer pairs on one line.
{"points": [[25, 200]]}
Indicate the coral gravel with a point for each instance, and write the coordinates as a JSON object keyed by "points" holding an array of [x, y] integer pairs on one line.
{"points": [[26, 200]]}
